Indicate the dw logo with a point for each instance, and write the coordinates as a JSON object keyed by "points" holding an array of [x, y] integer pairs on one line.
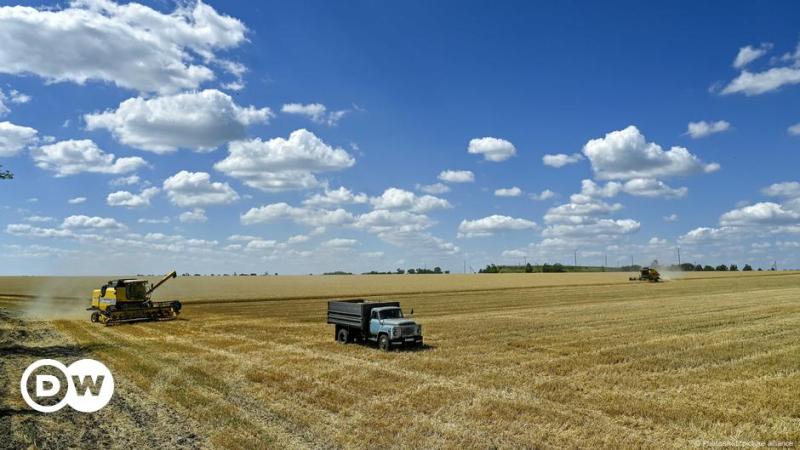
{"points": [[89, 385]]}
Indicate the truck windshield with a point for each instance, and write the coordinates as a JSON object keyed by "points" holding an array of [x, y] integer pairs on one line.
{"points": [[392, 314]]}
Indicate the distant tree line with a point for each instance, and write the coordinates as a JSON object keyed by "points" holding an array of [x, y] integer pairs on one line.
{"points": [[436, 270], [558, 268]]}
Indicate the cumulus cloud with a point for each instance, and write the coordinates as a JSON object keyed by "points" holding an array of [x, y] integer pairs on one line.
{"points": [[191, 189], [125, 181], [597, 229], [457, 176], [282, 164], [625, 154], [647, 187], [748, 54], [340, 243], [772, 79], [14, 138], [76, 200], [77, 156], [767, 213], [130, 45], [336, 197], [304, 216], [436, 188], [13, 96], [162, 220], [508, 192], [670, 218], [546, 194], [81, 221], [789, 189], [490, 225], [197, 215], [394, 198], [199, 121], [317, 112], [130, 200], [561, 159], [492, 149], [794, 130], [702, 129], [385, 221], [39, 219]]}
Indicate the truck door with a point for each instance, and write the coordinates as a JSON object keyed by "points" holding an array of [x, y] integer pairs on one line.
{"points": [[374, 323]]}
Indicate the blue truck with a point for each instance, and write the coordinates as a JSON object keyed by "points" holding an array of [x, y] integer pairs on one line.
{"points": [[379, 322]]}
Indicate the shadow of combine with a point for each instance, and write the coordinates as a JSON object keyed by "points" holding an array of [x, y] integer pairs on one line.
{"points": [[51, 351]]}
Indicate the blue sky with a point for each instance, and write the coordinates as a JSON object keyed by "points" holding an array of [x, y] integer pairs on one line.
{"points": [[300, 137]]}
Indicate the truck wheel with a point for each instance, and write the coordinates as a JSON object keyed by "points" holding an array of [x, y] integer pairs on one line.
{"points": [[343, 337], [95, 317], [383, 343]]}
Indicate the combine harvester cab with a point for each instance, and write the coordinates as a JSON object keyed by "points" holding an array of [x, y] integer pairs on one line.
{"points": [[128, 300], [648, 274]]}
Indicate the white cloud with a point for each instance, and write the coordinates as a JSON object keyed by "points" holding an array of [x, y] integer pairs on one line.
{"points": [[394, 198], [766, 213], [598, 229], [490, 225], [39, 219], [162, 220], [457, 176], [656, 241], [130, 200], [671, 218], [197, 215], [514, 254], [77, 156], [625, 154], [646, 187], [190, 189], [76, 200], [546, 194], [492, 149], [125, 181], [579, 213], [281, 164], [794, 130], [18, 229], [561, 159], [372, 254], [749, 54], [81, 221], [762, 82], [14, 138], [385, 221], [436, 188], [336, 197], [317, 112], [305, 216], [298, 238], [789, 189], [702, 129], [13, 96], [508, 192], [200, 121], [340, 243], [130, 45]]}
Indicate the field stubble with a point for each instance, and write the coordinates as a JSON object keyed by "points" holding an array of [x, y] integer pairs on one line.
{"points": [[576, 360]]}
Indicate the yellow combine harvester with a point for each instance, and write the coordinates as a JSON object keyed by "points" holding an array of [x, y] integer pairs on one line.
{"points": [[128, 300], [648, 274]]}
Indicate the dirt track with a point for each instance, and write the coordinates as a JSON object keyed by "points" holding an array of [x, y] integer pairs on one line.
{"points": [[131, 420]]}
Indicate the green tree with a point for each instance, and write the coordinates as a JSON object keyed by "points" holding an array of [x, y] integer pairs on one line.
{"points": [[437, 269], [557, 267], [410, 271], [5, 174], [708, 268], [698, 268], [734, 268], [722, 268], [528, 268], [747, 268]]}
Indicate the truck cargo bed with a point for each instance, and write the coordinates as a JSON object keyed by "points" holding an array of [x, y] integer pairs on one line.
{"points": [[354, 313]]}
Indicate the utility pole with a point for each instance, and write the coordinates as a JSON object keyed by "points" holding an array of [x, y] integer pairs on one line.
{"points": [[605, 264], [679, 255], [631, 261], [576, 259]]}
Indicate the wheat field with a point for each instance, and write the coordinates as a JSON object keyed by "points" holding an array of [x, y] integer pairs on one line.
{"points": [[511, 361]]}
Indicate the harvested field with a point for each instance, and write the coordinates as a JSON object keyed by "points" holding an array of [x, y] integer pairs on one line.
{"points": [[550, 361]]}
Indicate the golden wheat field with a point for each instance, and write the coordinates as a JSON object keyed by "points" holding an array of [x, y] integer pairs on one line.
{"points": [[511, 361]]}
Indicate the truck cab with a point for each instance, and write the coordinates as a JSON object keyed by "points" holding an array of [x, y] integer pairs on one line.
{"points": [[383, 323]]}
